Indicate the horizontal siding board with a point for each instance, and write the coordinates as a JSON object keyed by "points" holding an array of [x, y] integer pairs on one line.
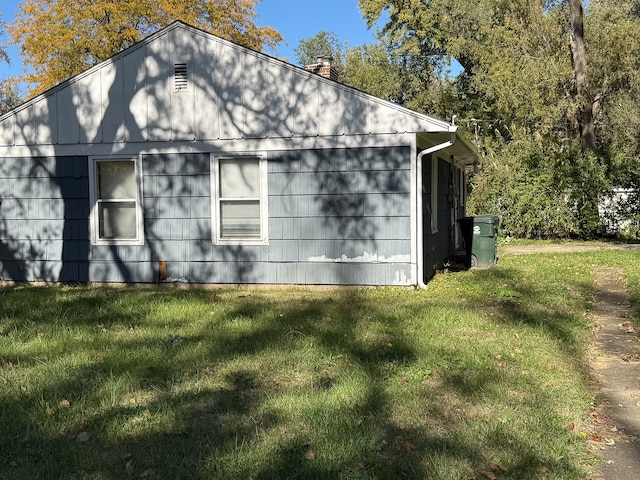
{"points": [[329, 232], [284, 161]]}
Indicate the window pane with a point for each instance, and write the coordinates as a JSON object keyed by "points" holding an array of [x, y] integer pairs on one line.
{"points": [[240, 219], [240, 178], [117, 220], [116, 180]]}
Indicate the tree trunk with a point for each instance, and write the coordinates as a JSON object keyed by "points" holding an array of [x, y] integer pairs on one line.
{"points": [[579, 53]]}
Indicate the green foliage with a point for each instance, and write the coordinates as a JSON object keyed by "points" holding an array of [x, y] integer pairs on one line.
{"points": [[540, 189], [368, 68], [61, 38], [517, 184], [322, 44], [518, 97], [9, 96]]}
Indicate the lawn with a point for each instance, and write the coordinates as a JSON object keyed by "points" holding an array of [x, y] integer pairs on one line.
{"points": [[484, 373]]}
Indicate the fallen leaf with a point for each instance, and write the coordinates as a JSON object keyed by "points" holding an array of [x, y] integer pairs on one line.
{"points": [[542, 469], [129, 468], [50, 411], [310, 455], [499, 467], [489, 475], [572, 426], [408, 446], [146, 473], [65, 403], [594, 437], [83, 437]]}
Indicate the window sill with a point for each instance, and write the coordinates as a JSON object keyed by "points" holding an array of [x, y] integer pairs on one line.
{"points": [[117, 242], [240, 241]]}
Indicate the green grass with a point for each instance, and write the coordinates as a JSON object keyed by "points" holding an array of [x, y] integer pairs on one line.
{"points": [[484, 368]]}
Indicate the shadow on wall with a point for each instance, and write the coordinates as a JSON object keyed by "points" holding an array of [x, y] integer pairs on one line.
{"points": [[44, 218]]}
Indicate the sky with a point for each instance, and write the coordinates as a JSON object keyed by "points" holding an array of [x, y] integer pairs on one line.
{"points": [[294, 19]]}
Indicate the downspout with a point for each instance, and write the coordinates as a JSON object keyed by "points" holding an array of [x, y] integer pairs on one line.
{"points": [[427, 151]]}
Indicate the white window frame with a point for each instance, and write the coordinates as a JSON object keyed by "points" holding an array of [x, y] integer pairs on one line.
{"points": [[94, 216], [434, 193], [263, 238]]}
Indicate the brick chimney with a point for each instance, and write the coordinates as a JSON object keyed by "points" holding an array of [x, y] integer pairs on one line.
{"points": [[323, 68]]}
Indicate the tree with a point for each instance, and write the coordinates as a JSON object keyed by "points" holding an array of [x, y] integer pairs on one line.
{"points": [[9, 96], [61, 38], [322, 44], [3, 53], [531, 96], [579, 53], [368, 68]]}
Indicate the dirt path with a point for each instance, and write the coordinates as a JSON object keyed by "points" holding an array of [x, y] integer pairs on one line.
{"points": [[615, 367]]}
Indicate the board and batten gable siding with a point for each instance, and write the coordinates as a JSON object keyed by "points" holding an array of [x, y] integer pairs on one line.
{"points": [[231, 93], [336, 216]]}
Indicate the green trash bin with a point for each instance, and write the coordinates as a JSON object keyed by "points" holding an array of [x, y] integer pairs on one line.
{"points": [[480, 234]]}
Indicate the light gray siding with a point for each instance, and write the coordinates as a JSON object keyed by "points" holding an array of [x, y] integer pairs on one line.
{"points": [[341, 171], [232, 93], [336, 216]]}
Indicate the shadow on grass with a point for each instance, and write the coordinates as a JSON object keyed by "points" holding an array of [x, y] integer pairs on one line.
{"points": [[208, 407]]}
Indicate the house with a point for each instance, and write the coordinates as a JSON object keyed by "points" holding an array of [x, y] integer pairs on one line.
{"points": [[189, 158]]}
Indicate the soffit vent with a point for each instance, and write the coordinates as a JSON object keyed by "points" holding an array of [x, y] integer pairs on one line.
{"points": [[180, 77]]}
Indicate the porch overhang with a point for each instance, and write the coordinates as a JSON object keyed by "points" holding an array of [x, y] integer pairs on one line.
{"points": [[461, 151]]}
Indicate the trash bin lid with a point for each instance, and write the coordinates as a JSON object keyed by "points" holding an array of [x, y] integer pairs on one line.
{"points": [[494, 219]]}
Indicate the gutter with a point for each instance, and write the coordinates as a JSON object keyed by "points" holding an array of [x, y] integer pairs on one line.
{"points": [[420, 236]]}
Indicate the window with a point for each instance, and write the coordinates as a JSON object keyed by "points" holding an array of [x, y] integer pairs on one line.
{"points": [[116, 212], [239, 190]]}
